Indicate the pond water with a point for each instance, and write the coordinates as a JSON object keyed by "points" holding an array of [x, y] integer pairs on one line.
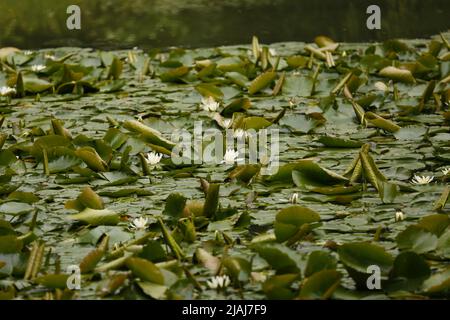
{"points": [[201, 23]]}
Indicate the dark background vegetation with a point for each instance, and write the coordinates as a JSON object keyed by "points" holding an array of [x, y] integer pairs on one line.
{"points": [[111, 24]]}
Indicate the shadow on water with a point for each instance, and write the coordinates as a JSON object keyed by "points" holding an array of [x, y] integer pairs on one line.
{"points": [[113, 24]]}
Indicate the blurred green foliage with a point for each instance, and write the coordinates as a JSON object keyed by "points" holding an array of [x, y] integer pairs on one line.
{"points": [[161, 23]]}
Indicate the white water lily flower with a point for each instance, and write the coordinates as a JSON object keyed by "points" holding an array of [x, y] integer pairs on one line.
{"points": [[209, 104], [399, 216], [223, 122], [153, 158], [37, 67], [422, 179], [294, 198], [49, 56], [446, 171], [139, 223], [6, 91], [226, 123], [230, 156], [239, 133], [218, 282]]}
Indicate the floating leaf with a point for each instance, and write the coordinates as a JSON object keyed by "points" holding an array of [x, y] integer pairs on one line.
{"points": [[438, 282], [90, 156], [381, 123], [278, 287], [280, 257], [339, 143], [96, 217], [416, 239], [90, 261], [238, 105], [261, 82], [87, 199], [290, 220], [209, 90], [318, 261], [357, 257], [175, 204], [10, 244], [54, 281], [145, 270], [212, 200], [320, 285], [151, 135], [307, 172], [397, 74], [238, 268]]}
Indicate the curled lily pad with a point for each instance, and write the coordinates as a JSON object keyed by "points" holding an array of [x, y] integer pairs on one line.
{"points": [[307, 172], [90, 156], [87, 199], [290, 220], [90, 261], [397, 74], [55, 281], [145, 270], [261, 82], [96, 217], [151, 135], [175, 204]]}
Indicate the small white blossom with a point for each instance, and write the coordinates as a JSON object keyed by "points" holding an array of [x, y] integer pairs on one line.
{"points": [[446, 171], [209, 104], [139, 223], [399, 216], [49, 56], [153, 158], [37, 67], [6, 91], [27, 52], [294, 198], [226, 123], [218, 282], [223, 122], [239, 133], [230, 156], [422, 179]]}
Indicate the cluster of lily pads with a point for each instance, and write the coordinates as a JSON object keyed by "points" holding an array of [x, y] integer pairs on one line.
{"points": [[88, 182]]}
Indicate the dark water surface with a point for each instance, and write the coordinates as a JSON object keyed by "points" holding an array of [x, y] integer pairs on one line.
{"points": [[114, 24]]}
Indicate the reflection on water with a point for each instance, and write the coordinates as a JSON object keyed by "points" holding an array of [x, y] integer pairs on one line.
{"points": [[194, 23]]}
